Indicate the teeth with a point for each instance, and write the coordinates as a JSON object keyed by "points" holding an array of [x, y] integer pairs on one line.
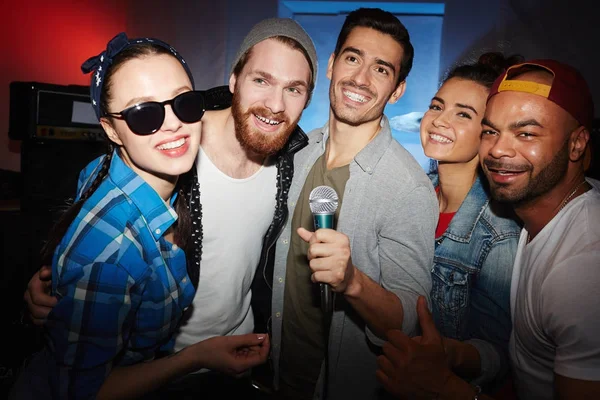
{"points": [[267, 120], [503, 172], [172, 145], [355, 96], [439, 138]]}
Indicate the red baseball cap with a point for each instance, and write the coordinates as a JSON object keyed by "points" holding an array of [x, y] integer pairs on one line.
{"points": [[568, 89]]}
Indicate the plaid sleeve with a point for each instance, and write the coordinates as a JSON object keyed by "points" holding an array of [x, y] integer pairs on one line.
{"points": [[90, 325], [114, 285]]}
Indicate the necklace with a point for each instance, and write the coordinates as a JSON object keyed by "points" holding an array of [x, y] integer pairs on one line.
{"points": [[563, 203], [570, 196]]}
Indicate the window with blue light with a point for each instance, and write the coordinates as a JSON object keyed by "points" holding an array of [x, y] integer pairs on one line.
{"points": [[323, 21]]}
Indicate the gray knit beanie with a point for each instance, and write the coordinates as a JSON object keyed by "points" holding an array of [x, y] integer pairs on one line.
{"points": [[287, 27]]}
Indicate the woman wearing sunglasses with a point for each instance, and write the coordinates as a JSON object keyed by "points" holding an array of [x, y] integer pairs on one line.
{"points": [[119, 253]]}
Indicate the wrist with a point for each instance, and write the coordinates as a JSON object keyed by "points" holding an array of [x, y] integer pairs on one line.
{"points": [[355, 286], [458, 389], [191, 358], [463, 358]]}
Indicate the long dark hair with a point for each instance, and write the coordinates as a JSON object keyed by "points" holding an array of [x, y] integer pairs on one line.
{"points": [[187, 229], [488, 67]]}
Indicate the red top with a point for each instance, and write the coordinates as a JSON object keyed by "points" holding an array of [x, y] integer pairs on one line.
{"points": [[443, 223], [444, 220]]}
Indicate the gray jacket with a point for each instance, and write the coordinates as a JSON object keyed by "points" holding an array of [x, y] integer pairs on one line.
{"points": [[389, 213]]}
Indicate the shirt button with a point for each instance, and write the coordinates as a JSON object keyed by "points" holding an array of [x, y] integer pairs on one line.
{"points": [[157, 231], [293, 203], [175, 247], [278, 314], [285, 241], [184, 280], [280, 280]]}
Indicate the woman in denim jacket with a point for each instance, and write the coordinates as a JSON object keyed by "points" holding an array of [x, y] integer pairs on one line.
{"points": [[476, 239]]}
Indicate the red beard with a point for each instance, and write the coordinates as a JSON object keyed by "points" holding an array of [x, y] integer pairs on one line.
{"points": [[251, 138]]}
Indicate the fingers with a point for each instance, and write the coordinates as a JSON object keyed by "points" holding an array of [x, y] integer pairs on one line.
{"points": [[322, 236], [36, 315], [261, 349], [45, 273], [265, 347], [253, 355], [385, 381], [245, 363], [39, 293], [385, 365], [385, 369], [417, 339], [328, 249], [326, 243], [37, 296], [399, 339], [42, 299], [430, 332], [329, 257], [385, 375], [322, 273], [248, 340], [396, 355], [304, 234]]}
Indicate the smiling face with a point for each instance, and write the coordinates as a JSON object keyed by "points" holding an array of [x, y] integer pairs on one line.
{"points": [[269, 95], [170, 151], [526, 147], [451, 127], [364, 75]]}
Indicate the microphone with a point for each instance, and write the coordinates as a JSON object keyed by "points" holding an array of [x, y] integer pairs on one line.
{"points": [[323, 202]]}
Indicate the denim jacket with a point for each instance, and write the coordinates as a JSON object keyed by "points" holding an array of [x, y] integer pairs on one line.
{"points": [[471, 276]]}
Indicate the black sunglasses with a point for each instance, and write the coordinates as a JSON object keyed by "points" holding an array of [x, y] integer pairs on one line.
{"points": [[147, 118]]}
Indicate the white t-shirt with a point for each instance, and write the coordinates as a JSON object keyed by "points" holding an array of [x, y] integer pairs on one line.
{"points": [[236, 214], [555, 300]]}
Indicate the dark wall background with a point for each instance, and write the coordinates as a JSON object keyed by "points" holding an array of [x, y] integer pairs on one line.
{"points": [[47, 41]]}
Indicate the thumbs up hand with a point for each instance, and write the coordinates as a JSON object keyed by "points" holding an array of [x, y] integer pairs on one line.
{"points": [[415, 367]]}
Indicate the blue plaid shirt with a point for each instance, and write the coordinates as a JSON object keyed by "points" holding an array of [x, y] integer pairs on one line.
{"points": [[122, 287]]}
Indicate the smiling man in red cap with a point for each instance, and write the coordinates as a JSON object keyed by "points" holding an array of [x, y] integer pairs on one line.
{"points": [[534, 138]]}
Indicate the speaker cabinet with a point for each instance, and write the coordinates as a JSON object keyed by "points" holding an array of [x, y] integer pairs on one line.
{"points": [[50, 170]]}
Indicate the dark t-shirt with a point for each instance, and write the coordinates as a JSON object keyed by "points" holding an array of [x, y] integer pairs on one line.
{"points": [[303, 333]]}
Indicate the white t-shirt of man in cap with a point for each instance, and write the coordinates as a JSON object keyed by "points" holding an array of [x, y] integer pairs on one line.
{"points": [[555, 300]]}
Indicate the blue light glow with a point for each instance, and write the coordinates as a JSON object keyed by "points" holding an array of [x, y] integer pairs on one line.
{"points": [[323, 21]]}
